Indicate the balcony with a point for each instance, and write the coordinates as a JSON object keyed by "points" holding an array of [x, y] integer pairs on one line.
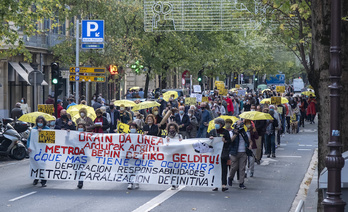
{"points": [[44, 41]]}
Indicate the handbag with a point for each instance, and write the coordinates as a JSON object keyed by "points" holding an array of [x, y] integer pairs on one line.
{"points": [[248, 152], [225, 154]]}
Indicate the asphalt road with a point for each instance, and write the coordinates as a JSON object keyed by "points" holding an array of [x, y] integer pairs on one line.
{"points": [[273, 188]]}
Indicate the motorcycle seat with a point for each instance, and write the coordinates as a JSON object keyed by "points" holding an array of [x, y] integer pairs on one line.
{"points": [[7, 120]]}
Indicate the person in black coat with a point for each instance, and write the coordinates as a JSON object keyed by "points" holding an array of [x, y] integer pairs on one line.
{"points": [[182, 120], [150, 127], [115, 117], [64, 123]]}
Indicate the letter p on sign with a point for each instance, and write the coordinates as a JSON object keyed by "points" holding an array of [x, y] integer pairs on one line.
{"points": [[93, 31], [91, 27]]}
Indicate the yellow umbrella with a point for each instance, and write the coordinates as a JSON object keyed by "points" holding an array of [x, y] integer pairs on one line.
{"points": [[283, 100], [308, 93], [126, 103], [211, 125], [167, 95], [266, 90], [74, 111], [134, 88], [255, 115], [234, 90], [145, 105], [31, 117]]}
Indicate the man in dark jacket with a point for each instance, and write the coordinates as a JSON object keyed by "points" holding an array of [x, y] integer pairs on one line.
{"points": [[238, 151], [97, 104], [163, 104], [260, 126], [16, 112], [182, 120], [115, 117], [63, 123]]}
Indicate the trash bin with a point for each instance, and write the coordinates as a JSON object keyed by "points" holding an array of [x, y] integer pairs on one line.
{"points": [[344, 179]]}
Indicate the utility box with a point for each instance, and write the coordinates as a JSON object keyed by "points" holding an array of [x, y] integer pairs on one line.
{"points": [[344, 179]]}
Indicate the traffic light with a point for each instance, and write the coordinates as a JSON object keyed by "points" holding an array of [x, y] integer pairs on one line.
{"points": [[137, 67], [113, 69], [58, 88], [55, 72], [200, 76], [57, 79]]}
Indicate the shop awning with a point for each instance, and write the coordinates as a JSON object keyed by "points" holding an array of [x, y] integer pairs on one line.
{"points": [[29, 69], [20, 71]]}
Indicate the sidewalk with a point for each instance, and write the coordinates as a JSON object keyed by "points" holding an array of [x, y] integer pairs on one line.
{"points": [[311, 201]]}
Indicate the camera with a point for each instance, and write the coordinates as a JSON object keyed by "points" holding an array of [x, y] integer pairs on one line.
{"points": [[239, 127], [241, 131]]}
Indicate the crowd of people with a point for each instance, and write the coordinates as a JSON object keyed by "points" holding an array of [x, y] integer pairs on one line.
{"points": [[245, 141]]}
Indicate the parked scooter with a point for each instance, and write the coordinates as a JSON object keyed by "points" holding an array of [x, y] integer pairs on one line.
{"points": [[10, 142]]}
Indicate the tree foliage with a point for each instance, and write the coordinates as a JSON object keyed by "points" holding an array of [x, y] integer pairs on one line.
{"points": [[22, 18]]}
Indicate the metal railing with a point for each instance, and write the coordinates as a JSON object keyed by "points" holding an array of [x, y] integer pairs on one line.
{"points": [[44, 40]]}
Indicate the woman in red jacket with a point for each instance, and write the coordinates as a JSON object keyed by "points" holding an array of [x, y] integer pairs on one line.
{"points": [[311, 112]]}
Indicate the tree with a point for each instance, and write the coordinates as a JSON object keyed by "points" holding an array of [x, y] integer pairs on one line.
{"points": [[22, 18]]}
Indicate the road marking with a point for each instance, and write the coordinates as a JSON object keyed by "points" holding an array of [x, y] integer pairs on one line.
{"points": [[304, 145], [156, 201], [20, 197], [304, 149], [266, 161], [290, 156]]}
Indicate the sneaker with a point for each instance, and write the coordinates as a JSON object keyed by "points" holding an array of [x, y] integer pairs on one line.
{"points": [[273, 156], [174, 187], [130, 186], [215, 189], [80, 184], [136, 185], [251, 174], [230, 181], [35, 182], [224, 189], [43, 183], [242, 186], [268, 156], [258, 162]]}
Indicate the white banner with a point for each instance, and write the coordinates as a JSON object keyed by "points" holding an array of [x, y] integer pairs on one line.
{"points": [[124, 158], [198, 96]]}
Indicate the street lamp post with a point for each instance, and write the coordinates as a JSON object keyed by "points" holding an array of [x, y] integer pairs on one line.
{"points": [[334, 160]]}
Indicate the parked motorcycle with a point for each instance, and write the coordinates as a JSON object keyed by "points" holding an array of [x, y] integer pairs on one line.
{"points": [[10, 142]]}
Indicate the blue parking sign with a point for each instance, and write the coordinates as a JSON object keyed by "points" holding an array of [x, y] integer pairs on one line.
{"points": [[92, 30]]}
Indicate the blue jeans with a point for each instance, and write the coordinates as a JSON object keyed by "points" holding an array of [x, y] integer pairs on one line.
{"points": [[202, 132], [270, 144]]}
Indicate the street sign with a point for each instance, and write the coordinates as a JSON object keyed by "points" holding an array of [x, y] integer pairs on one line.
{"points": [[93, 31], [87, 70], [92, 46], [46, 108], [81, 78], [35, 77], [65, 74]]}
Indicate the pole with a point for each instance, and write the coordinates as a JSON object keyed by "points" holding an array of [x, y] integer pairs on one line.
{"points": [[77, 58], [35, 93], [334, 160]]}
